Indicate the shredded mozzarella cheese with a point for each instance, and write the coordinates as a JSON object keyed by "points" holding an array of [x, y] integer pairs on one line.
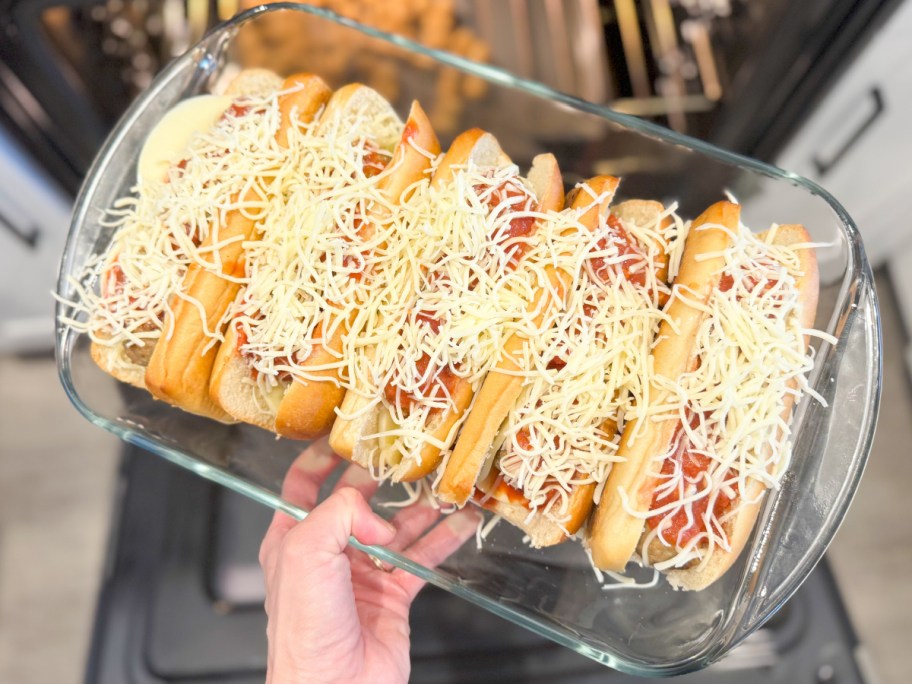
{"points": [[752, 355], [586, 373], [162, 227]]}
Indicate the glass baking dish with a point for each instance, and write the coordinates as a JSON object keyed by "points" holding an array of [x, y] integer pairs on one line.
{"points": [[644, 628]]}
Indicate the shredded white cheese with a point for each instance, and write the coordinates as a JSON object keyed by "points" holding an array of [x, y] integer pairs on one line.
{"points": [[448, 299], [751, 355], [587, 372], [321, 247], [123, 298]]}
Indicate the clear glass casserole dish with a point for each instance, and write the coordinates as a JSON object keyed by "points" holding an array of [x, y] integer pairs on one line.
{"points": [[646, 628]]}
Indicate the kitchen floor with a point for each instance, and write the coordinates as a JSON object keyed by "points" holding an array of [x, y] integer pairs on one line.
{"points": [[57, 489]]}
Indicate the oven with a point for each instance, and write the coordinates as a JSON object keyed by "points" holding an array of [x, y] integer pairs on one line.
{"points": [[182, 602]]}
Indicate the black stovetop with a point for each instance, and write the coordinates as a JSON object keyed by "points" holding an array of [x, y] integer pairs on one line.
{"points": [[182, 602]]}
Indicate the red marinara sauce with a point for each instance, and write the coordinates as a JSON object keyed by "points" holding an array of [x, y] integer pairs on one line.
{"points": [[436, 385], [113, 282], [410, 131], [750, 282], [429, 320], [238, 109], [374, 161], [556, 363], [626, 247], [523, 439], [241, 334], [520, 226], [502, 491], [678, 527], [355, 267]]}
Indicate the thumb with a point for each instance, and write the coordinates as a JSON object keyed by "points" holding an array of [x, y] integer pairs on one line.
{"points": [[343, 514]]}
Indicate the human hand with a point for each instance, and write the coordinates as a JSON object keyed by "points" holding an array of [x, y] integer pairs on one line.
{"points": [[334, 614]]}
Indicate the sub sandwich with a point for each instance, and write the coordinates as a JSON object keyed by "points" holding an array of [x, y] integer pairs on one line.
{"points": [[185, 183], [282, 365], [413, 384], [730, 361], [180, 364], [542, 435]]}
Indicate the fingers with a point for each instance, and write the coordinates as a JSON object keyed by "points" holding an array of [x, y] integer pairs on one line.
{"points": [[311, 583], [307, 474], [300, 488], [411, 523], [360, 479], [345, 513], [438, 545], [326, 530]]}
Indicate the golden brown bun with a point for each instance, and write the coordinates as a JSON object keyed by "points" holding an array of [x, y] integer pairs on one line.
{"points": [[545, 179], [440, 428], [308, 408], [614, 532], [738, 528], [117, 360], [347, 437], [181, 365], [541, 530], [254, 83], [502, 389], [503, 385]]}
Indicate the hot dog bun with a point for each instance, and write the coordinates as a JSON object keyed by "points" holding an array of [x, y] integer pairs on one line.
{"points": [[615, 532], [309, 408], [555, 518], [739, 528], [348, 436], [619, 528], [181, 364], [127, 360], [541, 530], [545, 179], [254, 82], [352, 436], [503, 385], [305, 408]]}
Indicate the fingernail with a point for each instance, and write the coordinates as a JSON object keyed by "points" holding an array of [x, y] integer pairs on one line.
{"points": [[464, 521], [314, 462]]}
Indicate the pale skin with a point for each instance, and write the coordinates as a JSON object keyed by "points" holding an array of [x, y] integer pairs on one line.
{"points": [[334, 615]]}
